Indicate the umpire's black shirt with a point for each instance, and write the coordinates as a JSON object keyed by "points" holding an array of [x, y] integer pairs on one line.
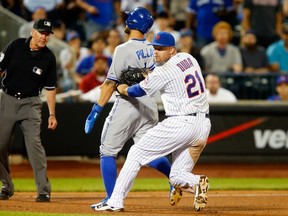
{"points": [[27, 71]]}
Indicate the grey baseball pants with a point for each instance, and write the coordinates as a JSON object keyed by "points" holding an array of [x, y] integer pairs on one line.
{"points": [[27, 112]]}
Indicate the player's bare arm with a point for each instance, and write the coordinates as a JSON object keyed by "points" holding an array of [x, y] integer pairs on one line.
{"points": [[107, 89], [122, 89]]}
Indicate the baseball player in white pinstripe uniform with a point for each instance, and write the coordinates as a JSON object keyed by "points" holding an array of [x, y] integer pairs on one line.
{"points": [[129, 117], [183, 133]]}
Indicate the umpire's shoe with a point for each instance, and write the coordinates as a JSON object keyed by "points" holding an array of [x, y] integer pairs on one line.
{"points": [[200, 200], [5, 194], [175, 196], [43, 198]]}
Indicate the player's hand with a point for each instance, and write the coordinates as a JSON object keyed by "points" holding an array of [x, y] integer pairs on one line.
{"points": [[93, 115], [52, 122], [122, 89]]}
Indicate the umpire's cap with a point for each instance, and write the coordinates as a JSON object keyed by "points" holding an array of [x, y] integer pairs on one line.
{"points": [[164, 39], [140, 19], [43, 25]]}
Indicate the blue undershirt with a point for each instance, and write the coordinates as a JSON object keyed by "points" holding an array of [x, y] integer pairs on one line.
{"points": [[135, 91]]}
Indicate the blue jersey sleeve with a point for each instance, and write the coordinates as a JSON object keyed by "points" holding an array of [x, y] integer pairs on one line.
{"points": [[135, 91]]}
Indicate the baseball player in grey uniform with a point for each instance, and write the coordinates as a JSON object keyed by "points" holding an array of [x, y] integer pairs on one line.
{"points": [[183, 133], [129, 117]]}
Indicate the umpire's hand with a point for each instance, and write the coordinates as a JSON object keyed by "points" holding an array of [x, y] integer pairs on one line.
{"points": [[52, 122]]}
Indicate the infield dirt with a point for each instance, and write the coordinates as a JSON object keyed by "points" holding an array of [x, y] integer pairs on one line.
{"points": [[156, 203]]}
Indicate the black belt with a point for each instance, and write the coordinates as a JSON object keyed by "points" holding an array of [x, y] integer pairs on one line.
{"points": [[192, 114], [195, 114], [16, 94]]}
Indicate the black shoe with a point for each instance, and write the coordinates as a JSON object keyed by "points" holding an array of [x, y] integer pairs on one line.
{"points": [[43, 198], [5, 195]]}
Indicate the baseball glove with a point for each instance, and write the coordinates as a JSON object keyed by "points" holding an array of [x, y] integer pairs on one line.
{"points": [[132, 75]]}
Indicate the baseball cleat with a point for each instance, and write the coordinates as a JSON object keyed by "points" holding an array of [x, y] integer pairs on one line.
{"points": [[175, 196], [99, 203], [200, 199], [106, 207]]}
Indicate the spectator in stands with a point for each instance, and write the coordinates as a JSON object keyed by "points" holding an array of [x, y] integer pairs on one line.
{"points": [[97, 75], [253, 56], [206, 14], [70, 58], [59, 30], [285, 9], [150, 35], [129, 5], [265, 18], [51, 7], [187, 44], [281, 89], [113, 40], [98, 45], [100, 15], [221, 56], [26, 28], [15, 6], [74, 18], [215, 93], [178, 13], [277, 52], [163, 24]]}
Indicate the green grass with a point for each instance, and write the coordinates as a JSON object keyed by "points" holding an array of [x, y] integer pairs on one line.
{"points": [[152, 184]]}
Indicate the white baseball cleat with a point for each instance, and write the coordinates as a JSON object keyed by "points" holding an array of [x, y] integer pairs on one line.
{"points": [[99, 203], [106, 207], [200, 199], [175, 196]]}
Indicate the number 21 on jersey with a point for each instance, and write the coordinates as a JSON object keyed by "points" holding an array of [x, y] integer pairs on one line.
{"points": [[191, 81]]}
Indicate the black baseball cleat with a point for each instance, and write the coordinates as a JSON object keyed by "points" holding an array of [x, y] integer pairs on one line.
{"points": [[43, 198], [5, 195]]}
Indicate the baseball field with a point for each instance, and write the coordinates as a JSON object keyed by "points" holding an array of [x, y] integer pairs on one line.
{"points": [[235, 189]]}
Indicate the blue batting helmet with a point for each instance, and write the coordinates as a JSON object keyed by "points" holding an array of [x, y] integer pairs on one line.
{"points": [[140, 19]]}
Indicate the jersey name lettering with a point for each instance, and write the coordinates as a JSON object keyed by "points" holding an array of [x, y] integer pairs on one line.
{"points": [[144, 53], [185, 64]]}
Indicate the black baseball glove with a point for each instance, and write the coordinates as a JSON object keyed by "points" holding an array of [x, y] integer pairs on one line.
{"points": [[131, 76]]}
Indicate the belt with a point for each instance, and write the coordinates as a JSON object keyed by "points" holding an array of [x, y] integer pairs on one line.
{"points": [[192, 114], [195, 114], [16, 94]]}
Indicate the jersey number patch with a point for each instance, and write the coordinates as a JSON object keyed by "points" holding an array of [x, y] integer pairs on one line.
{"points": [[192, 82]]}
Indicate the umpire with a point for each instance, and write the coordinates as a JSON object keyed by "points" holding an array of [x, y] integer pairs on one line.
{"points": [[27, 66]]}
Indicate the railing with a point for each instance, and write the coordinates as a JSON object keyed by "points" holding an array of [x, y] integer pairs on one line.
{"points": [[10, 24], [250, 86]]}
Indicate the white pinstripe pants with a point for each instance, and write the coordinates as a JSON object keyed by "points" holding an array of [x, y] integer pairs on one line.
{"points": [[183, 136]]}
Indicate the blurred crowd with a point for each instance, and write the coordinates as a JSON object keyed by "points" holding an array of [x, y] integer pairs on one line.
{"points": [[235, 36]]}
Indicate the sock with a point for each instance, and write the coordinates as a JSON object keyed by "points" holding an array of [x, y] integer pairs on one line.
{"points": [[109, 173], [162, 165]]}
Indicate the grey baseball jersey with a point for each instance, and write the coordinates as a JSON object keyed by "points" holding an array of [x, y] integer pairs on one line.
{"points": [[129, 117], [184, 133]]}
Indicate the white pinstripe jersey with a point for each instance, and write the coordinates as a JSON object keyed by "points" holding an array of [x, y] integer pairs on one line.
{"points": [[135, 53], [181, 85]]}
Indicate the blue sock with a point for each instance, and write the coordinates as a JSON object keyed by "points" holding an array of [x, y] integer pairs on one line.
{"points": [[109, 173], [162, 165]]}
